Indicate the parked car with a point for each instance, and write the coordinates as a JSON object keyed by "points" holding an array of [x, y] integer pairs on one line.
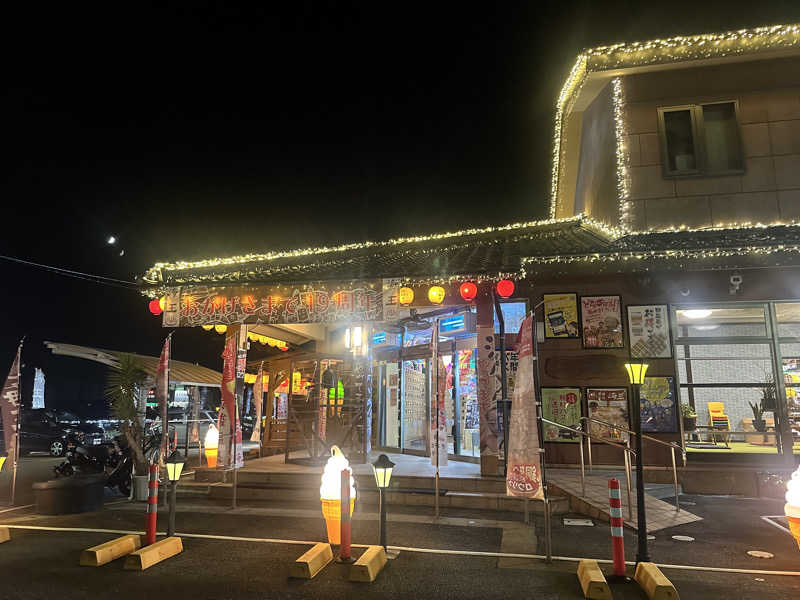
{"points": [[48, 430]]}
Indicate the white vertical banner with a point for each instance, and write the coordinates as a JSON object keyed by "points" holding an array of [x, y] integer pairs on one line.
{"points": [[524, 475]]}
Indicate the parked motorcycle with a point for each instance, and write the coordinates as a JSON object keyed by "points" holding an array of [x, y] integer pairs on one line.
{"points": [[115, 459]]}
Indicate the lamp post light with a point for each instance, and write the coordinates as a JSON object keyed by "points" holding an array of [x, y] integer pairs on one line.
{"points": [[636, 372], [382, 468], [174, 466]]}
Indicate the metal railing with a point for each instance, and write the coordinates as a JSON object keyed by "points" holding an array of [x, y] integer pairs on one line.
{"points": [[625, 452], [671, 445]]}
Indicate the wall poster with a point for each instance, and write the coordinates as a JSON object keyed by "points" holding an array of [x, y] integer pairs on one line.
{"points": [[601, 321], [561, 405], [609, 405], [648, 331], [560, 315], [658, 408]]}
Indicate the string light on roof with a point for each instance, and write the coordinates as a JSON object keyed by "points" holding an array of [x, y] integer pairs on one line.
{"points": [[675, 49]]}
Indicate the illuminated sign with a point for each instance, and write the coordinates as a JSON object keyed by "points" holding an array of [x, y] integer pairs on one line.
{"points": [[463, 323], [382, 339]]}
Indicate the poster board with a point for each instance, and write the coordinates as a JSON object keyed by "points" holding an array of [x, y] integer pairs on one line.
{"points": [[601, 322], [609, 405], [659, 411], [561, 316], [649, 333], [561, 405]]}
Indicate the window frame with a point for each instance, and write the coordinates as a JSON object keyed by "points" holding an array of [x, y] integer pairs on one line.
{"points": [[698, 139]]}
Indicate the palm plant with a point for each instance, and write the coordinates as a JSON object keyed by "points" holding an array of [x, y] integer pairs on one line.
{"points": [[122, 385]]}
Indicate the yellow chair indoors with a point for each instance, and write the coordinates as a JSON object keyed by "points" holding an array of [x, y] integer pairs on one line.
{"points": [[718, 420]]}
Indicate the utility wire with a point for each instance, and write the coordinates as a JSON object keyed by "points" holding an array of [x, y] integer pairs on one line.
{"points": [[101, 279]]}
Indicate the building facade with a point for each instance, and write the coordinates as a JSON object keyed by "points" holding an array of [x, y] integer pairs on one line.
{"points": [[673, 238]]}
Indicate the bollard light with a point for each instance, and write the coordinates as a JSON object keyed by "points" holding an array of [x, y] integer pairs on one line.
{"points": [[382, 468], [174, 465], [636, 372], [212, 446]]}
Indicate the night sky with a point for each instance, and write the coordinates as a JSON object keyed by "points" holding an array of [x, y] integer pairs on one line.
{"points": [[207, 130]]}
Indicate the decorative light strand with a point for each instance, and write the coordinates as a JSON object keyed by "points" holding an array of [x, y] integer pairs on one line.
{"points": [[650, 255], [155, 275], [622, 155], [574, 82], [658, 51]]}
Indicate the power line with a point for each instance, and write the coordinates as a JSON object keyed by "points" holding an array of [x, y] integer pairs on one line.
{"points": [[99, 279]]}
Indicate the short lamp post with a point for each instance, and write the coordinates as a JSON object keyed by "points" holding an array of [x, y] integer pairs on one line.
{"points": [[382, 468], [636, 372], [174, 466]]}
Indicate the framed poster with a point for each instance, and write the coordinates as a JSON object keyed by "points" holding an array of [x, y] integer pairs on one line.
{"points": [[648, 331], [601, 322], [561, 405], [609, 405], [560, 316], [658, 406]]}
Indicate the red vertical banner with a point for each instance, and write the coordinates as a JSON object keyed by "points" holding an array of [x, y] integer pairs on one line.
{"points": [[10, 405], [162, 393], [524, 475], [227, 413]]}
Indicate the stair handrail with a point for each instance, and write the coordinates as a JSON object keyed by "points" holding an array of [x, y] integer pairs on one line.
{"points": [[625, 451], [671, 445]]}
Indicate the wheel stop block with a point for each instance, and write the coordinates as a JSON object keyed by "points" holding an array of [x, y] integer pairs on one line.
{"points": [[654, 583], [312, 562], [5, 534], [593, 582], [112, 550], [368, 565], [148, 556]]}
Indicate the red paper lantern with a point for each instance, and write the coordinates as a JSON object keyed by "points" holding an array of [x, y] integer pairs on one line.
{"points": [[155, 307], [468, 290], [505, 287]]}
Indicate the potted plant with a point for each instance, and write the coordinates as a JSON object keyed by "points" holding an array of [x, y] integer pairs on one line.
{"points": [[689, 417], [122, 386], [759, 424]]}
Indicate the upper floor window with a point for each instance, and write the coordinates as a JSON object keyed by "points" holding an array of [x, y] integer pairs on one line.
{"points": [[700, 139]]}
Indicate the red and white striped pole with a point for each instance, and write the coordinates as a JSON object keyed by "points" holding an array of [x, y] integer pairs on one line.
{"points": [[617, 539], [152, 504], [344, 519]]}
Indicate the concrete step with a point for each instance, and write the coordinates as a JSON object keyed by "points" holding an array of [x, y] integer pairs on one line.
{"points": [[406, 497], [312, 480]]}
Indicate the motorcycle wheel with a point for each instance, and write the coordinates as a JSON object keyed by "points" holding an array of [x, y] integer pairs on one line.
{"points": [[124, 487], [57, 448]]}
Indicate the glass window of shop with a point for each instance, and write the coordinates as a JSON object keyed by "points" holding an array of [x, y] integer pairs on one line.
{"points": [[725, 365]]}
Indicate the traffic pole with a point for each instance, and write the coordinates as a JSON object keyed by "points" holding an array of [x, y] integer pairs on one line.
{"points": [[617, 539], [344, 519], [152, 504]]}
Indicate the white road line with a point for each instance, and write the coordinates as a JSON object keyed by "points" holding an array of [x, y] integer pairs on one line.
{"points": [[768, 519], [231, 538], [5, 510]]}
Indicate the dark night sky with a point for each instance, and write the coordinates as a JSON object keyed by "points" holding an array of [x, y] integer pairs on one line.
{"points": [[207, 130]]}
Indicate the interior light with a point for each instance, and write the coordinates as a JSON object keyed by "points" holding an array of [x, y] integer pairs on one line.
{"points": [[697, 313]]}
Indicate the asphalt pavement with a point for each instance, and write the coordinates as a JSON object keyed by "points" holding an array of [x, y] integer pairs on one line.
{"points": [[31, 469], [44, 564]]}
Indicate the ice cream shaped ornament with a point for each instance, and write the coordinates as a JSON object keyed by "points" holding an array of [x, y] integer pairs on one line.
{"points": [[792, 508], [212, 446], [330, 493]]}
